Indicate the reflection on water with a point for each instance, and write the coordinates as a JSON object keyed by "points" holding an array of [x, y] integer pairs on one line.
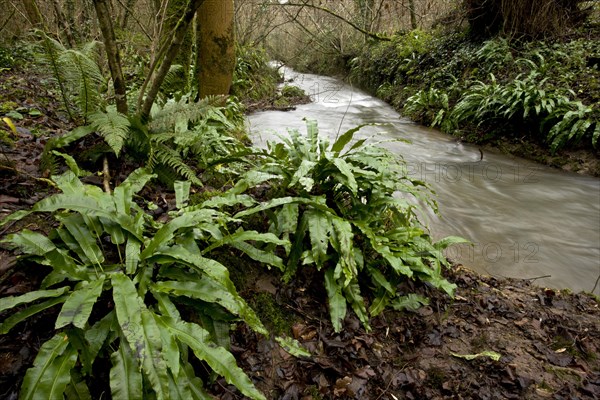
{"points": [[525, 220]]}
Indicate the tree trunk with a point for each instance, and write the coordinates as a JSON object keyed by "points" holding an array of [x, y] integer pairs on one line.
{"points": [[170, 50], [413, 14], [70, 15], [184, 57], [215, 43], [61, 22], [365, 9], [33, 13], [112, 52], [129, 5]]}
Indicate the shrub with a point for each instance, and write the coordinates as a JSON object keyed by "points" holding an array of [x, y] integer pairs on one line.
{"points": [[338, 206], [123, 282]]}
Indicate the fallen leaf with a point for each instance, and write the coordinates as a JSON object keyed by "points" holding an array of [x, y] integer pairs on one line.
{"points": [[491, 354]]}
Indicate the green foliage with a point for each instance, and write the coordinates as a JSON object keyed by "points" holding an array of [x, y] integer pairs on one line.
{"points": [[494, 54], [112, 126], [48, 160], [181, 137], [183, 131], [76, 73], [123, 281], [519, 101], [432, 107], [290, 91], [253, 77], [7, 59], [548, 92], [336, 205], [389, 61]]}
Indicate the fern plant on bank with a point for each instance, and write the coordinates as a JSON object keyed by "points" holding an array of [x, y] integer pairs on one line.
{"points": [[123, 281], [338, 206], [181, 138], [525, 99], [77, 75]]}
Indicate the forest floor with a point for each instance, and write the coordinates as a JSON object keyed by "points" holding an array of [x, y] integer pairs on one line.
{"points": [[498, 338]]}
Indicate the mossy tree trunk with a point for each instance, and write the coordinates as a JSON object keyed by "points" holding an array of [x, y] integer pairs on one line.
{"points": [[112, 52], [413, 14], [215, 44], [166, 55], [184, 58]]}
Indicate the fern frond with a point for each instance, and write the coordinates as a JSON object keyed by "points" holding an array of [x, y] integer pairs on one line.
{"points": [[175, 80], [112, 126], [48, 161], [170, 158], [163, 137], [84, 75], [90, 49], [51, 57], [139, 139], [173, 113]]}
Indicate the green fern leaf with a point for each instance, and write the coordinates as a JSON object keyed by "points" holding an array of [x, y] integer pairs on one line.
{"points": [[125, 376], [51, 56], [50, 374], [337, 302], [22, 315], [84, 75], [173, 160], [78, 307], [140, 332], [112, 126], [219, 359]]}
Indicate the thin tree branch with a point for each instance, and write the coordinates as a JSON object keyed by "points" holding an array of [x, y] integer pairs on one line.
{"points": [[106, 175], [157, 79], [7, 21], [328, 11], [112, 52], [135, 18]]}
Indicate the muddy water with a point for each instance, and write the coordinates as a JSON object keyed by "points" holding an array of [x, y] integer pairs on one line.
{"points": [[525, 220]]}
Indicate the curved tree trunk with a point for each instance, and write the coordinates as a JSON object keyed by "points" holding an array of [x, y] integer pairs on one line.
{"points": [[167, 55], [112, 51], [215, 59]]}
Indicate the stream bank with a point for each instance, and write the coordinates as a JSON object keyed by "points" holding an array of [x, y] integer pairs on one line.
{"points": [[551, 351], [525, 220], [534, 99]]}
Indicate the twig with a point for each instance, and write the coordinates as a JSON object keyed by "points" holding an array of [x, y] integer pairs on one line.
{"points": [[106, 175], [328, 11], [45, 180], [7, 20], [135, 19], [596, 284], [537, 277]]}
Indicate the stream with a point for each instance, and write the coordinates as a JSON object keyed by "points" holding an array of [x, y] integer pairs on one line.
{"points": [[525, 220]]}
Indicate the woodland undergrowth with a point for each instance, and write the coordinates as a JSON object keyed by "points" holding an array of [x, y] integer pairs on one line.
{"points": [[148, 297]]}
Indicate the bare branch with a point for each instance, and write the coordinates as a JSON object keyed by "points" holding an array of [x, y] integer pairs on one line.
{"points": [[130, 11], [328, 11], [156, 79]]}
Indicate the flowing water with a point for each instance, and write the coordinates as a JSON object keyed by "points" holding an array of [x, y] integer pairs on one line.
{"points": [[525, 220]]}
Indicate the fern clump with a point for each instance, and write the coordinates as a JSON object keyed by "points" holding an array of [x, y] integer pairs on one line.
{"points": [[184, 132], [338, 206], [108, 255], [77, 75]]}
